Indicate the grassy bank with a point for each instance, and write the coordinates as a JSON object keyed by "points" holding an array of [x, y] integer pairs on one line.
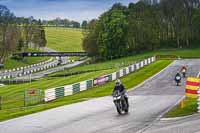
{"points": [[118, 63], [64, 39], [12, 63], [129, 81], [190, 107]]}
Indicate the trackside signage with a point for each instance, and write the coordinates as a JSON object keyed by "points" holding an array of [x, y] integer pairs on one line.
{"points": [[101, 80]]}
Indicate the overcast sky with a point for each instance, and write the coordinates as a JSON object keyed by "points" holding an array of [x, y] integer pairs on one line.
{"points": [[78, 10]]}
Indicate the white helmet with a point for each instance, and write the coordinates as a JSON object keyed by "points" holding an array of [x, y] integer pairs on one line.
{"points": [[118, 82]]}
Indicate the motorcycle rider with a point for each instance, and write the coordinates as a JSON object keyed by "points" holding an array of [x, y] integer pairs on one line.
{"points": [[119, 86], [183, 71], [178, 78]]}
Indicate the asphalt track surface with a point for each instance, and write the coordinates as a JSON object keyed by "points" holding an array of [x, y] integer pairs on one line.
{"points": [[189, 124], [148, 102]]}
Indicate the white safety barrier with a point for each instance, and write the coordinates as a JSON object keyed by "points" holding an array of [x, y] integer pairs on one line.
{"points": [[83, 86], [114, 77], [133, 67], [149, 60], [145, 62], [121, 72], [142, 64], [137, 66], [28, 66], [68, 90], [59, 92], [127, 70], [50, 95]]}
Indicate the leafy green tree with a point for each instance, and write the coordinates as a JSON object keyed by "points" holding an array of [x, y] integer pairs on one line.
{"points": [[90, 39], [111, 39], [84, 24], [144, 26], [8, 33]]}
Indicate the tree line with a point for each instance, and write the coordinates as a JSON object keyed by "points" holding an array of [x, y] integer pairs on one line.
{"points": [[19, 33], [143, 26], [58, 22]]}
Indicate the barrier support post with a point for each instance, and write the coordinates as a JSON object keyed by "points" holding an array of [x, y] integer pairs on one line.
{"points": [[182, 104]]}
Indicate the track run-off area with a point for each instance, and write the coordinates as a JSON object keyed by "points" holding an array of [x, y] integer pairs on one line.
{"points": [[148, 102]]}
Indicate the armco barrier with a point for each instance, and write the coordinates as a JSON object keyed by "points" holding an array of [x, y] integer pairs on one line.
{"points": [[50, 95], [58, 92], [121, 72], [25, 67], [137, 66], [68, 90], [76, 88]]}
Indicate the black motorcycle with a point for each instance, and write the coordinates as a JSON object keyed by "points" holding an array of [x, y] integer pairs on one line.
{"points": [[120, 102], [184, 74], [178, 79]]}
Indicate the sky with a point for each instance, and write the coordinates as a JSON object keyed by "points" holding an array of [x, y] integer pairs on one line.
{"points": [[77, 10]]}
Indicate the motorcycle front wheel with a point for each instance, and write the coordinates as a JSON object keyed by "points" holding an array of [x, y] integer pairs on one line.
{"points": [[118, 107], [126, 107]]}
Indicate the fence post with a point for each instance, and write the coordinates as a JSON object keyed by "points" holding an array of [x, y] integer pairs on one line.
{"points": [[40, 96], [25, 99]]}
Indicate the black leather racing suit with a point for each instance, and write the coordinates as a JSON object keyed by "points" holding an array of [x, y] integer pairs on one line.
{"points": [[122, 90]]}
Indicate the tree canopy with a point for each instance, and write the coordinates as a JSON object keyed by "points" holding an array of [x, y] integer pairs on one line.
{"points": [[18, 33], [143, 26]]}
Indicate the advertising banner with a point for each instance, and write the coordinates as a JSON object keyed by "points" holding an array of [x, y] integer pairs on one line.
{"points": [[101, 80]]}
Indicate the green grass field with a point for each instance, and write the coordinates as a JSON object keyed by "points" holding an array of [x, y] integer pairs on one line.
{"points": [[129, 81], [64, 39]]}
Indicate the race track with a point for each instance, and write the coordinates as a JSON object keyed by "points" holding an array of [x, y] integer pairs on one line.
{"points": [[148, 102]]}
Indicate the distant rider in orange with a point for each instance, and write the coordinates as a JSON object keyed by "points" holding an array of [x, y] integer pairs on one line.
{"points": [[183, 71]]}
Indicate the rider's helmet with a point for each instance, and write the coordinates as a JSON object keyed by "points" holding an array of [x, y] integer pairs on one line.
{"points": [[178, 73], [118, 82], [178, 77], [184, 69]]}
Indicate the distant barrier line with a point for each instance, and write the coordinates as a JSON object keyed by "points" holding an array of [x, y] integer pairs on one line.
{"points": [[59, 92], [19, 69], [19, 72]]}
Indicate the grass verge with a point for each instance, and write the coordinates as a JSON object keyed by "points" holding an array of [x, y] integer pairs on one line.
{"points": [[190, 107], [129, 81]]}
